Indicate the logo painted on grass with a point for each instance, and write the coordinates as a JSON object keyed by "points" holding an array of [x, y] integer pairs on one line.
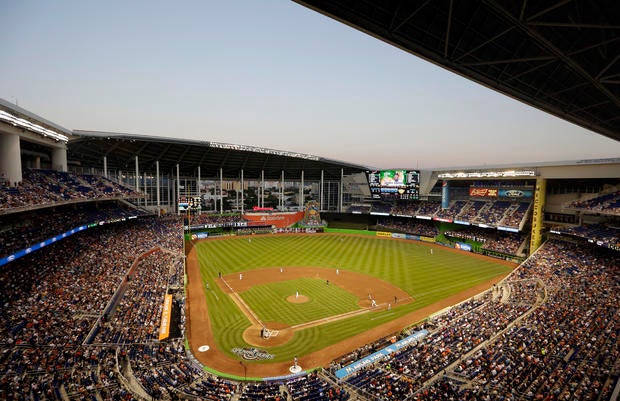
{"points": [[252, 354]]}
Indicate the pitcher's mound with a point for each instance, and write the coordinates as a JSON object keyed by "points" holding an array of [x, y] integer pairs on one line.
{"points": [[300, 299]]}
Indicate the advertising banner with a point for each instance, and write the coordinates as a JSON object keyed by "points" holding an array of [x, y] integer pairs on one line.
{"points": [[412, 237], [399, 235], [216, 225], [512, 230], [516, 193], [483, 192], [384, 234], [196, 236], [278, 219], [385, 352], [164, 327], [427, 239], [36, 247], [445, 194], [463, 246]]}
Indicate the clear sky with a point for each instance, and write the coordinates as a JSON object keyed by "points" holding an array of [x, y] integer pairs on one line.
{"points": [[266, 73]]}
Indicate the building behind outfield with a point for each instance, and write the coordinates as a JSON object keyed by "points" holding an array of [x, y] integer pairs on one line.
{"points": [[175, 176]]}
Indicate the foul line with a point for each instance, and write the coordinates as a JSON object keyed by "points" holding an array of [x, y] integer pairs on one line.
{"points": [[344, 315], [252, 315]]}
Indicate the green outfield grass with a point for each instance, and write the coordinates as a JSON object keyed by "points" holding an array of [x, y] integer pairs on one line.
{"points": [[406, 264]]}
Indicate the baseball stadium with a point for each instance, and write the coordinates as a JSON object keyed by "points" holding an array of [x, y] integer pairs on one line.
{"points": [[138, 267]]}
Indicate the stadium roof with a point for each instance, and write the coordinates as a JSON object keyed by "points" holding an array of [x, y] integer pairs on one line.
{"points": [[19, 112], [89, 148], [560, 56]]}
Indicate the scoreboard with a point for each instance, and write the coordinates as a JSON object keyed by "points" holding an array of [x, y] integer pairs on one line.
{"points": [[189, 203], [394, 184]]}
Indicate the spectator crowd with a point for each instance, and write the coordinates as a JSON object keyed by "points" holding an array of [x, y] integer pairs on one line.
{"points": [[48, 187], [216, 220], [606, 203], [85, 323], [503, 242], [548, 332], [607, 234], [409, 226], [22, 230], [80, 319], [495, 213]]}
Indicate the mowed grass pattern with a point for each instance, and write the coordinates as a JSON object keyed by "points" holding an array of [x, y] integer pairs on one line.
{"points": [[270, 304], [406, 264]]}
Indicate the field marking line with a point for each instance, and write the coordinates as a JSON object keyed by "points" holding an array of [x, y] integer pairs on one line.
{"points": [[341, 316], [251, 315], [239, 301]]}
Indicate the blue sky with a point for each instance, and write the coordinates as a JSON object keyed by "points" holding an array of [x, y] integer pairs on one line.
{"points": [[266, 73]]}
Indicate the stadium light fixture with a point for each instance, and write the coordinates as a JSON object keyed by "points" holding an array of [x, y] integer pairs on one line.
{"points": [[489, 174], [20, 122], [220, 145]]}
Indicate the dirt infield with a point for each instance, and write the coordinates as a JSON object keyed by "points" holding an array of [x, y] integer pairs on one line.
{"points": [[357, 284], [381, 291], [199, 331], [251, 335]]}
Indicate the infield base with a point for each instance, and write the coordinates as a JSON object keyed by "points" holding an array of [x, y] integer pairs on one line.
{"points": [[252, 336]]}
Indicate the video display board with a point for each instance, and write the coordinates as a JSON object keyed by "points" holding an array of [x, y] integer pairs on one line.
{"points": [[394, 184], [189, 202]]}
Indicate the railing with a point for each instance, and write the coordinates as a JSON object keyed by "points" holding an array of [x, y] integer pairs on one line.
{"points": [[118, 294]]}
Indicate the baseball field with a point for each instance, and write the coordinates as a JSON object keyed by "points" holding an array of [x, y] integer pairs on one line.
{"points": [[259, 302]]}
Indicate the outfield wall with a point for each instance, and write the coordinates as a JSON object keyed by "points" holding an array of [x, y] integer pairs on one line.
{"points": [[277, 219], [349, 231]]}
